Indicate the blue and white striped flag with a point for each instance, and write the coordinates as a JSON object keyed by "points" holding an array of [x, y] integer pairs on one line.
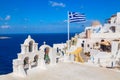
{"points": [[76, 17]]}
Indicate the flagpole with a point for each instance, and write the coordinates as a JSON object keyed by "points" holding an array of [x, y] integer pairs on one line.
{"points": [[68, 29]]}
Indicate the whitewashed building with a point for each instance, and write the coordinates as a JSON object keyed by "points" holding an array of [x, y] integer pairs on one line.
{"points": [[31, 57]]}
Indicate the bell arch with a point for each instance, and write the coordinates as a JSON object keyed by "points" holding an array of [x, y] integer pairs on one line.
{"points": [[46, 55], [36, 58], [30, 46], [26, 61], [26, 64], [35, 61]]}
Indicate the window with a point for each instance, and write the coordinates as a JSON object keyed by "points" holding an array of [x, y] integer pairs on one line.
{"points": [[112, 28]]}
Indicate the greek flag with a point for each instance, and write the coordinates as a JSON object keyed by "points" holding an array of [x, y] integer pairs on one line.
{"points": [[76, 17]]}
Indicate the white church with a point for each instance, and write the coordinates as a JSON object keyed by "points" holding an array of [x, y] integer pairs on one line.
{"points": [[31, 57]]}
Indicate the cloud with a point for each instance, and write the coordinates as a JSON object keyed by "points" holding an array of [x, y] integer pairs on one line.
{"points": [[5, 26], [7, 17], [56, 4], [65, 21]]}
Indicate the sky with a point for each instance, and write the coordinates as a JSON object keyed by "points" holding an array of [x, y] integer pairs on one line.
{"points": [[50, 16]]}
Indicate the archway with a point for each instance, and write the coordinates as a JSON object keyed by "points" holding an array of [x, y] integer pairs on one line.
{"points": [[26, 64], [26, 61], [35, 61], [30, 46], [36, 58], [46, 56]]}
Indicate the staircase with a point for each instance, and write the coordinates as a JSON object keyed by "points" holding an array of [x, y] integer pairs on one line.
{"points": [[85, 57]]}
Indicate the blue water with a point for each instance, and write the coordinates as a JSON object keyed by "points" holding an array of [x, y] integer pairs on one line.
{"points": [[9, 48]]}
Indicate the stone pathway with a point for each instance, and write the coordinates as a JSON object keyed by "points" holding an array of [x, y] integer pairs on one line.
{"points": [[68, 71]]}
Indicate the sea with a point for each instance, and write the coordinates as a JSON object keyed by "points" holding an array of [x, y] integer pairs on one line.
{"points": [[10, 46]]}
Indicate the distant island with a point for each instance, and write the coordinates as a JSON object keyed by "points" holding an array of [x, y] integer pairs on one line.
{"points": [[4, 37]]}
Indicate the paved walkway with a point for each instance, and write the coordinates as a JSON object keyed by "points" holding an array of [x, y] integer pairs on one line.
{"points": [[68, 71]]}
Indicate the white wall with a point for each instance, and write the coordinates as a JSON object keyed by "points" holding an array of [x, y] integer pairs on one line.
{"points": [[114, 47], [105, 35], [118, 18]]}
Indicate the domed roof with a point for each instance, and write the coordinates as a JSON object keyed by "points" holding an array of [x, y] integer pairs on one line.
{"points": [[95, 23], [28, 40], [44, 46]]}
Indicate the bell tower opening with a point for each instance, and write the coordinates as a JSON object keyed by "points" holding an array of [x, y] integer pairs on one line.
{"points": [[30, 46], [46, 56], [26, 64], [35, 61]]}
